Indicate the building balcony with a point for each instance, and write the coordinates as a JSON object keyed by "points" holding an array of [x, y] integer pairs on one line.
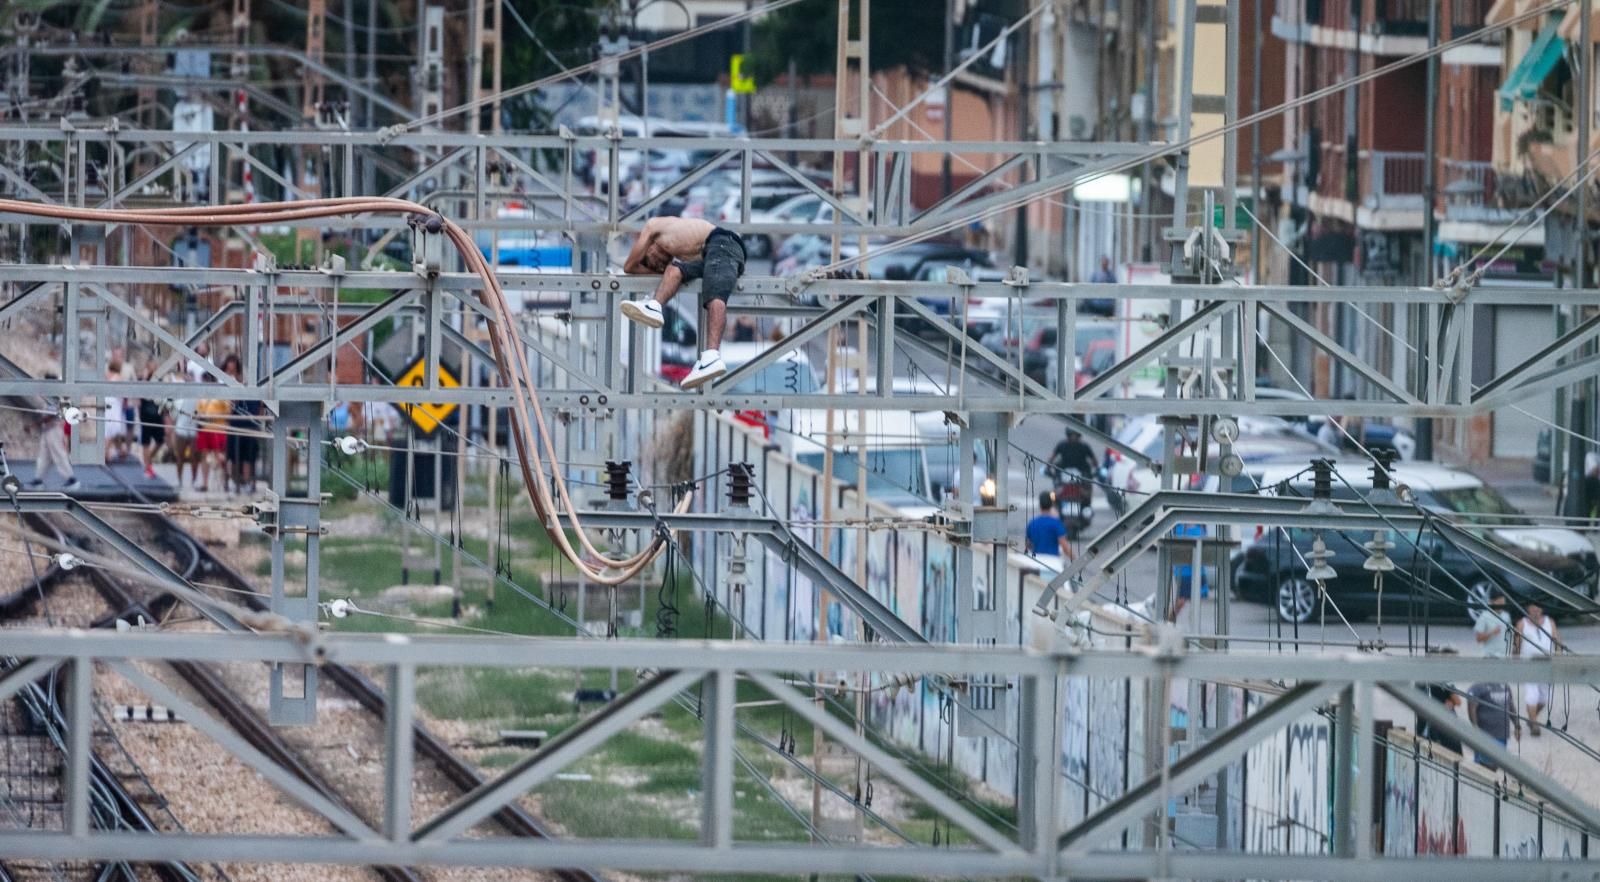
{"points": [[1392, 180], [1467, 16], [1469, 188], [1401, 18]]}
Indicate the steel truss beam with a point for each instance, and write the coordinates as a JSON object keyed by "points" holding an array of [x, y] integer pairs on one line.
{"points": [[977, 391], [441, 152], [1051, 850], [1145, 524]]}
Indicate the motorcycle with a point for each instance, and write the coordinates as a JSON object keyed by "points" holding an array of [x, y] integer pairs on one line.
{"points": [[1074, 499]]}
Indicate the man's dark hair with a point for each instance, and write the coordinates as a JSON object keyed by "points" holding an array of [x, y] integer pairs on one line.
{"points": [[1047, 501]]}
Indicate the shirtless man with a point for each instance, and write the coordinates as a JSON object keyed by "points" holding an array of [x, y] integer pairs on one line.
{"points": [[682, 249]]}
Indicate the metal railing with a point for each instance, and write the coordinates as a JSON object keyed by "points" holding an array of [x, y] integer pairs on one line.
{"points": [[1407, 18], [1392, 179], [1468, 187], [1470, 15], [1045, 845]]}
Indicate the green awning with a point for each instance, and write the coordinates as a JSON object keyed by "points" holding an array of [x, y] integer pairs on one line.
{"points": [[1525, 79]]}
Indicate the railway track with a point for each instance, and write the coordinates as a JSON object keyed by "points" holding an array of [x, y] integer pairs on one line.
{"points": [[192, 560], [31, 762]]}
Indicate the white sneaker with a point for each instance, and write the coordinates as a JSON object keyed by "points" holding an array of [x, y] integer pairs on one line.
{"points": [[708, 368], [646, 312]]}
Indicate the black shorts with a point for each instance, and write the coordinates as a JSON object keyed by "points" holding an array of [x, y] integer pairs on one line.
{"points": [[720, 265], [149, 434]]}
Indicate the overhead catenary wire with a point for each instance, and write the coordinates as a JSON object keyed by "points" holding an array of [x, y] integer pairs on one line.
{"points": [[1117, 166], [531, 435], [671, 40]]}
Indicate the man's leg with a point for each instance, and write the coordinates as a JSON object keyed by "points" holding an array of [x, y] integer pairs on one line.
{"points": [[716, 321], [671, 281]]}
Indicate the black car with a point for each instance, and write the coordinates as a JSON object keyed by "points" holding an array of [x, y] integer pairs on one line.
{"points": [[1454, 584]]}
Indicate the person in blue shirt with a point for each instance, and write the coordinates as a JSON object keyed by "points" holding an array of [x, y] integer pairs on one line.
{"points": [[1183, 573], [1047, 536]]}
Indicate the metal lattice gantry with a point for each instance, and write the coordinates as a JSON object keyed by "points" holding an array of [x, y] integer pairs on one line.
{"points": [[1044, 846], [990, 382]]}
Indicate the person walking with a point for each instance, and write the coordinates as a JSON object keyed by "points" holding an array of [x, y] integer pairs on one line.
{"points": [[1536, 637], [1491, 626], [115, 423], [185, 425], [52, 457], [1047, 536], [1489, 708], [211, 440], [1183, 573], [153, 415]]}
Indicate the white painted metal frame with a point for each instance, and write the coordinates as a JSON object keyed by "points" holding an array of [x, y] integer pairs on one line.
{"points": [[1047, 848]]}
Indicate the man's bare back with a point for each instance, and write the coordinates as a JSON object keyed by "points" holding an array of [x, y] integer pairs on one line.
{"points": [[684, 249], [666, 238]]}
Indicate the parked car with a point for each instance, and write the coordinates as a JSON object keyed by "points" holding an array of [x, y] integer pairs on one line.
{"points": [[1448, 587], [896, 456], [1564, 554], [1261, 440], [763, 202], [1374, 435]]}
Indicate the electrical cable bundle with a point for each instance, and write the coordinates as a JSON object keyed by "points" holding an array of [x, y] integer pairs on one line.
{"points": [[530, 432]]}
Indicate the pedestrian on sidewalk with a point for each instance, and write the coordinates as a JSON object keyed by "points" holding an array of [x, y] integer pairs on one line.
{"points": [[1489, 708], [1536, 637], [1047, 536], [1491, 626]]}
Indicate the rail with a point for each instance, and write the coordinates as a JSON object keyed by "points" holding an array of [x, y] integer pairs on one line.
{"points": [[512, 818]]}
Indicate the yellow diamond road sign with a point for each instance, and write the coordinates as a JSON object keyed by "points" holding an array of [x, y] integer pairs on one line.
{"points": [[426, 417]]}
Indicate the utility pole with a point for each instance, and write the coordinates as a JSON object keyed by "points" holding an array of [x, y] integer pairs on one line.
{"points": [[949, 89], [849, 121], [1256, 264], [1579, 416], [1424, 425], [312, 84]]}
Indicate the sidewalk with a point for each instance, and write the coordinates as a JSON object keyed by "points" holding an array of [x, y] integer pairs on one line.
{"points": [[1514, 479]]}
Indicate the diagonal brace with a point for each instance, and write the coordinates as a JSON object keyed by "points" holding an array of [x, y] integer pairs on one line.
{"points": [[162, 334], [1530, 777], [230, 741], [563, 750], [1217, 753], [1174, 335], [813, 329], [1339, 353], [25, 674], [889, 765]]}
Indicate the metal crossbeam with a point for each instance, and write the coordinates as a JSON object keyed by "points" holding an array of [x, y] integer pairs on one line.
{"points": [[1039, 855], [1217, 753], [565, 749]]}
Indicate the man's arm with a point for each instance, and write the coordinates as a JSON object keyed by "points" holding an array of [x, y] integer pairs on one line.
{"points": [[635, 264], [1066, 548]]}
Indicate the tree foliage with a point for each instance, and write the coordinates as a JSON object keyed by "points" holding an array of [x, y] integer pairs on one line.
{"points": [[901, 32]]}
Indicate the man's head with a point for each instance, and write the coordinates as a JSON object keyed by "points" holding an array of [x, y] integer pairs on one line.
{"points": [[656, 258], [1074, 434], [1105, 263], [1535, 611], [1497, 598], [1047, 502]]}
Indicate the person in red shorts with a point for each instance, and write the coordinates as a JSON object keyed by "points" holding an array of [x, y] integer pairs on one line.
{"points": [[212, 439]]}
